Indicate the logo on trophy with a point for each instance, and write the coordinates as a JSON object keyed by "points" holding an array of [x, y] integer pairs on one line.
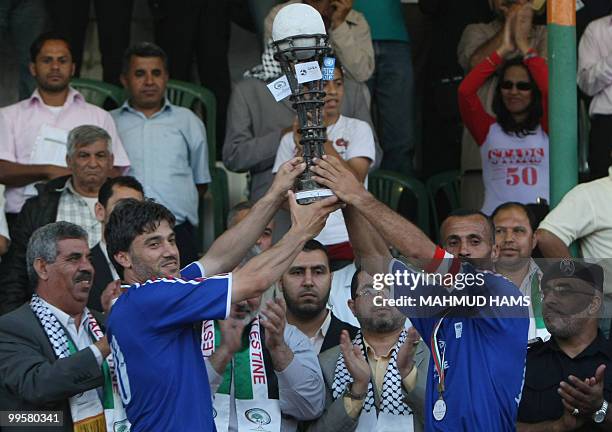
{"points": [[301, 44]]}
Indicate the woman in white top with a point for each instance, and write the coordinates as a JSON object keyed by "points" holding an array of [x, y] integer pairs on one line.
{"points": [[513, 143], [349, 139]]}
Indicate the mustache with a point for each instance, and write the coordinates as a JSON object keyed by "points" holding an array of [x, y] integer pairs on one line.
{"points": [[308, 291], [83, 276], [173, 260]]}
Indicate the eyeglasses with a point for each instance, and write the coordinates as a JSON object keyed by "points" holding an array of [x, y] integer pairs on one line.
{"points": [[563, 291], [371, 292], [520, 85]]}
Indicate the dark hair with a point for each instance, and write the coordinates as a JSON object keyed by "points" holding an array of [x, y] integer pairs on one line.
{"points": [[513, 204], [131, 218], [43, 244], [44, 37], [463, 212], [504, 117], [315, 245], [106, 191], [355, 281], [142, 49]]}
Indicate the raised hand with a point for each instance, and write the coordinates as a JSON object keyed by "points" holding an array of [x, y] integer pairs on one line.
{"points": [[275, 313], [587, 395], [332, 172], [405, 356], [111, 292], [523, 23], [341, 10], [231, 335], [356, 363], [310, 219], [508, 46], [286, 175]]}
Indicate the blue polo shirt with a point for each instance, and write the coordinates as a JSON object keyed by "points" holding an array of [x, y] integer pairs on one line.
{"points": [[484, 351], [168, 155], [159, 365]]}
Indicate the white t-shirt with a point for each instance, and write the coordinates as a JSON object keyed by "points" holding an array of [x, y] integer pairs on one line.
{"points": [[54, 109], [351, 138], [585, 214], [513, 168]]}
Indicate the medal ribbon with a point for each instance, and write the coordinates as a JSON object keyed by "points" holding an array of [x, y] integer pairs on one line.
{"points": [[437, 357], [536, 301]]}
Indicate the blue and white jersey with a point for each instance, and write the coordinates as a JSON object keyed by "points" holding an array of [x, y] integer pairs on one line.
{"points": [[484, 350], [160, 370]]}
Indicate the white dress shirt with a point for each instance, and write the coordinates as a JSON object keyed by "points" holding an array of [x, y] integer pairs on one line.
{"points": [[319, 337], [595, 65], [113, 271], [83, 339]]}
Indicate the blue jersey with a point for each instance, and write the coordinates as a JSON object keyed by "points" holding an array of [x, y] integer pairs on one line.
{"points": [[484, 356], [160, 369]]}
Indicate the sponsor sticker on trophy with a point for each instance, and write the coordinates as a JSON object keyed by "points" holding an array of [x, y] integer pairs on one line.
{"points": [[280, 88], [308, 72], [329, 64]]}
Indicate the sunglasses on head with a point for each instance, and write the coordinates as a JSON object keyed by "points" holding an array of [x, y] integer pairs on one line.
{"points": [[521, 85]]}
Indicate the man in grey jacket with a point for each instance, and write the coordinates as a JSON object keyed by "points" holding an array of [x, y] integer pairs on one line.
{"points": [[52, 351], [376, 382]]}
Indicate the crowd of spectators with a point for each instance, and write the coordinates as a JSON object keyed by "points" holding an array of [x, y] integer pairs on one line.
{"points": [[111, 313]]}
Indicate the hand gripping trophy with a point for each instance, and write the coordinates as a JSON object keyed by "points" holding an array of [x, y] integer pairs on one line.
{"points": [[301, 44]]}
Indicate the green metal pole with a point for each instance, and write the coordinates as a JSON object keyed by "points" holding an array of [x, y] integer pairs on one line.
{"points": [[563, 110]]}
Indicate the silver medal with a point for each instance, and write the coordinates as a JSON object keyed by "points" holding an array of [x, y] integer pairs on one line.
{"points": [[439, 409]]}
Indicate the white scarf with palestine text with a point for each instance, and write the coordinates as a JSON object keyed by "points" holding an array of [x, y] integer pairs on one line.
{"points": [[246, 380]]}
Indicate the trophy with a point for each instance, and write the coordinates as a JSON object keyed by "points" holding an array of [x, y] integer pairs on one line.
{"points": [[301, 45]]}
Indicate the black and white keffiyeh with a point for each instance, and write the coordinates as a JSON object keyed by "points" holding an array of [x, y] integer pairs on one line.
{"points": [[82, 410], [52, 327], [269, 69], [391, 399]]}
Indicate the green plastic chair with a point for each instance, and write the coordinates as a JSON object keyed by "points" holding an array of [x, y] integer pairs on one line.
{"points": [[390, 188], [99, 93], [219, 189], [203, 103], [446, 183]]}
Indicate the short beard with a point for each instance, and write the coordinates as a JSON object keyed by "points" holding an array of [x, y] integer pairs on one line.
{"points": [[382, 324], [479, 263], [53, 88], [143, 272], [306, 311], [563, 328]]}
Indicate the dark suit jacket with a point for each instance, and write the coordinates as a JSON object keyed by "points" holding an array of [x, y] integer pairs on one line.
{"points": [[32, 378], [332, 337], [102, 277]]}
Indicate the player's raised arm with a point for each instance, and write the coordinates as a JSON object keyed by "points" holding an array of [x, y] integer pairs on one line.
{"points": [[394, 229], [227, 251], [259, 273]]}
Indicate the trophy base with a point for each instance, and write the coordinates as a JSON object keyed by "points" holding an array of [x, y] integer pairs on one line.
{"points": [[310, 196]]}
